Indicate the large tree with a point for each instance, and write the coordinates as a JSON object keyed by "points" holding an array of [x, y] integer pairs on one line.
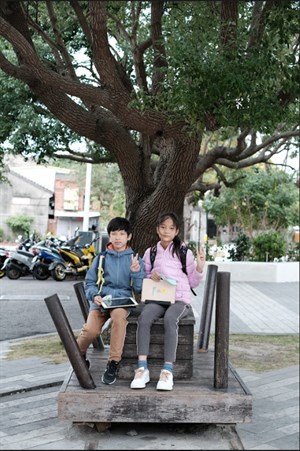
{"points": [[172, 91]]}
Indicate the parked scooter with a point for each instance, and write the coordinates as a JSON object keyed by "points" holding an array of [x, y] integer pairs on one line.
{"points": [[18, 264], [41, 263], [3, 257], [76, 260], [25, 244]]}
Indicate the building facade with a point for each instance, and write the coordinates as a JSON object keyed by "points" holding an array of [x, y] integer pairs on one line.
{"points": [[50, 196]]}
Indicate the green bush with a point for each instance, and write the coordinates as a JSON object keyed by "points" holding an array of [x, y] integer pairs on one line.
{"points": [[242, 249], [20, 225], [268, 246], [1, 234]]}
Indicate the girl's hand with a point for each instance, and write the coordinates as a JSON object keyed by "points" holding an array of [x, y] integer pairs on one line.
{"points": [[135, 264], [155, 276], [200, 259]]}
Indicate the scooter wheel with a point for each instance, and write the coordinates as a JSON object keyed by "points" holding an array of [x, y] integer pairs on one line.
{"points": [[13, 273], [41, 272], [59, 273], [2, 274]]}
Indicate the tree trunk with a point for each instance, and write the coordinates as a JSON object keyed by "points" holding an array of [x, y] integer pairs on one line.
{"points": [[172, 178]]}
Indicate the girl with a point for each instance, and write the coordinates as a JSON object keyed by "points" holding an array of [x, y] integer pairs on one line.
{"points": [[167, 263]]}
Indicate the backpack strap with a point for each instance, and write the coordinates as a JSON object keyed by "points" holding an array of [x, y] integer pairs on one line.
{"points": [[101, 280], [183, 251], [153, 251]]}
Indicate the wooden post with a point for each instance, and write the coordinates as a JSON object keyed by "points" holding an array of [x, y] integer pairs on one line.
{"points": [[84, 307], [222, 330], [67, 337], [207, 308]]}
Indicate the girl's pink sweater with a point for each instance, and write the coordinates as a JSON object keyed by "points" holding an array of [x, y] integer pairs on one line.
{"points": [[170, 266]]}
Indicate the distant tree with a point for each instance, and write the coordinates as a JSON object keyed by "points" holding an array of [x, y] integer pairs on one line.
{"points": [[263, 200], [173, 92]]}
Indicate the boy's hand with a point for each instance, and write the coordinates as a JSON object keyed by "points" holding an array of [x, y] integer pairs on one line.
{"points": [[97, 300], [200, 259], [135, 264]]}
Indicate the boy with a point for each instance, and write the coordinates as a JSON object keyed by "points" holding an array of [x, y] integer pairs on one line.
{"points": [[123, 272]]}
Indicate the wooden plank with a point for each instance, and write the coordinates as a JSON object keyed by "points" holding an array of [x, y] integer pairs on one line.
{"points": [[184, 351], [155, 407], [185, 334]]}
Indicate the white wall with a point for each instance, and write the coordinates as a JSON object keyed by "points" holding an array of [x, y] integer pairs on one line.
{"points": [[260, 271]]}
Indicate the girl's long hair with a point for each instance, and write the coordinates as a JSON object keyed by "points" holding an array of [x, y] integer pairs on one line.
{"points": [[177, 240]]}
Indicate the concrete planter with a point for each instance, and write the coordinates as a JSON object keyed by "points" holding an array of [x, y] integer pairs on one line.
{"points": [[260, 271]]}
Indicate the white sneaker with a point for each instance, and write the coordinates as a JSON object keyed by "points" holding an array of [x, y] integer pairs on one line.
{"points": [[165, 381], [141, 378]]}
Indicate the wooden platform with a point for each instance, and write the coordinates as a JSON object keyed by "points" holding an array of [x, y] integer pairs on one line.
{"points": [[191, 401]]}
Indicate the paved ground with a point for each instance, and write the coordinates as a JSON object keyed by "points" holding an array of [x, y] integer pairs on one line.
{"points": [[28, 390]]}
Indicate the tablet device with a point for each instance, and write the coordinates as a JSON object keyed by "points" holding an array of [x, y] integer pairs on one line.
{"points": [[118, 302]]}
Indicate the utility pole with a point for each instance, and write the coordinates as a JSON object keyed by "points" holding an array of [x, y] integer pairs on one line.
{"points": [[86, 213]]}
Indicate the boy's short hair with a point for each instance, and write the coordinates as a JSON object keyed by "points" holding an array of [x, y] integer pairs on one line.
{"points": [[119, 224]]}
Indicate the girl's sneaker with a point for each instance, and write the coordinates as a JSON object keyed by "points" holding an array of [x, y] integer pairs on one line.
{"points": [[165, 381], [141, 378]]}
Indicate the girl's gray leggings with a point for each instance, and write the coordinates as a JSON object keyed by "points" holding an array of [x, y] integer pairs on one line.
{"points": [[171, 314]]}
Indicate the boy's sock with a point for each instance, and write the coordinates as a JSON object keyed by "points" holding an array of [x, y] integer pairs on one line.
{"points": [[168, 367], [142, 364]]}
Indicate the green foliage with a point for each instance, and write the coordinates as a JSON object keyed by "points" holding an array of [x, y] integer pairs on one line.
{"points": [[242, 249], [193, 246], [268, 246], [1, 234], [235, 87], [27, 128], [20, 225], [239, 87], [262, 200]]}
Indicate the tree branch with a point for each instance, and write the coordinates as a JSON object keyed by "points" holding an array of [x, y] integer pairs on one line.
{"points": [[132, 40], [229, 17], [68, 67], [82, 20], [148, 122], [261, 10], [104, 61], [160, 61]]}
